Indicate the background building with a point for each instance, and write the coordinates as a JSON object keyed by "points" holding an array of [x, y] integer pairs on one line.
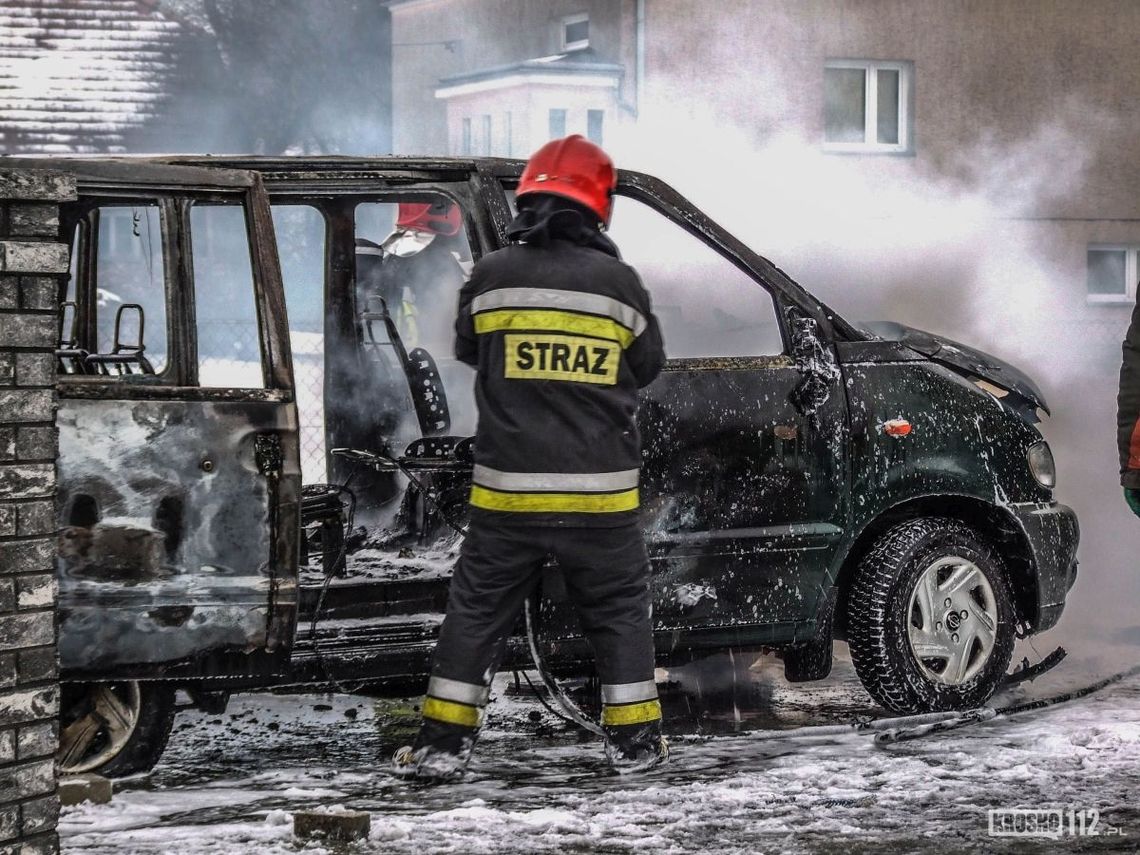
{"points": [[500, 77], [965, 167]]}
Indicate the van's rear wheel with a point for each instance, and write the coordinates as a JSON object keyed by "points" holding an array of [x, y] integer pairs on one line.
{"points": [[931, 618], [114, 729]]}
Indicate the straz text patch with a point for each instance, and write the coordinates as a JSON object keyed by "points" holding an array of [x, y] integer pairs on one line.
{"points": [[543, 356]]}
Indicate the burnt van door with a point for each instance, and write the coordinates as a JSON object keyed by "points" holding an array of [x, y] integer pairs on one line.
{"points": [[178, 433], [744, 466]]}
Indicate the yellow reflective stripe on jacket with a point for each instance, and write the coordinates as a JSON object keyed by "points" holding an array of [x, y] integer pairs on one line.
{"points": [[558, 503], [560, 300], [632, 713], [451, 712], [552, 320]]}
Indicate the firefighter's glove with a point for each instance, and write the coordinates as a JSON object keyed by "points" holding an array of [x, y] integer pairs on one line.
{"points": [[1132, 496]]}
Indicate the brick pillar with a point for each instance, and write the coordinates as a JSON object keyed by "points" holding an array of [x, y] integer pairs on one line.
{"points": [[33, 264]]}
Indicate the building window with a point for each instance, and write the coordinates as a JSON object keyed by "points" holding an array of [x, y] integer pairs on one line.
{"points": [[867, 106], [465, 144], [1112, 273], [487, 135], [557, 124], [575, 32], [594, 125]]}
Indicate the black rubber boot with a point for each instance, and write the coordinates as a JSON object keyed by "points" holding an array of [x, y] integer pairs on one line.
{"points": [[440, 753], [636, 747]]}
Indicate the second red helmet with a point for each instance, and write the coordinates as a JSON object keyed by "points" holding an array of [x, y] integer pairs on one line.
{"points": [[574, 168], [441, 218]]}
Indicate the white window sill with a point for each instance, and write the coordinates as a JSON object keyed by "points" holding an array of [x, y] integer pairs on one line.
{"points": [[865, 148], [1110, 300]]}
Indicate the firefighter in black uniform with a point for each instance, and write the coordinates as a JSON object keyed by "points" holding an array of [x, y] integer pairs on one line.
{"points": [[563, 335]]}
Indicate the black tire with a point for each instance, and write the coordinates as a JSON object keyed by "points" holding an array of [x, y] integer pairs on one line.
{"points": [[154, 708], [880, 614]]}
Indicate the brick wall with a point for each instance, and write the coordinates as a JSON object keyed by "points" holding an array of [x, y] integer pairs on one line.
{"points": [[31, 263]]}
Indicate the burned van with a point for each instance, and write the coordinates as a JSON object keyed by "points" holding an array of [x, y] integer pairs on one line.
{"points": [[265, 451]]}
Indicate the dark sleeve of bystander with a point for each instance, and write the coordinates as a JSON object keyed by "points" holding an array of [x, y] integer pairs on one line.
{"points": [[1128, 413]]}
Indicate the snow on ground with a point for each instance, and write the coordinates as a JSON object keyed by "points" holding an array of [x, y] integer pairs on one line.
{"points": [[228, 783]]}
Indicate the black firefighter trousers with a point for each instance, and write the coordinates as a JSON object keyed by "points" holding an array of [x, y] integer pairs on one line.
{"points": [[607, 578]]}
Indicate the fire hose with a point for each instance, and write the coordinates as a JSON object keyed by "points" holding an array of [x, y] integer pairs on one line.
{"points": [[570, 711]]}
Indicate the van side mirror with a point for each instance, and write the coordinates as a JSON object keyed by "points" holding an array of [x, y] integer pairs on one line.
{"points": [[815, 361]]}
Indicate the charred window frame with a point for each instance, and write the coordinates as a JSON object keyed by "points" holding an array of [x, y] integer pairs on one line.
{"points": [[81, 223], [179, 378], [341, 315], [868, 106], [671, 206], [1112, 271], [416, 193], [196, 247], [339, 212]]}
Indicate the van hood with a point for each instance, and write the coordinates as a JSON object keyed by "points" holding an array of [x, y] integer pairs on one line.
{"points": [[974, 364]]}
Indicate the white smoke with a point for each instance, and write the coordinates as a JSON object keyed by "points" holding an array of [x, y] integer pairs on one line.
{"points": [[959, 250]]}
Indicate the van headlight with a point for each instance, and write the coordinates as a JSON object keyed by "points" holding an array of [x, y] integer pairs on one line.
{"points": [[1041, 464]]}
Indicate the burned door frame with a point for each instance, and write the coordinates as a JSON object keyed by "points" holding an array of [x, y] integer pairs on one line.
{"points": [[89, 648], [336, 193], [338, 198]]}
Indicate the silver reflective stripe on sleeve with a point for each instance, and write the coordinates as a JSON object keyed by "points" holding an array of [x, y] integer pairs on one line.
{"points": [[555, 482], [369, 250], [454, 690], [574, 301], [629, 693]]}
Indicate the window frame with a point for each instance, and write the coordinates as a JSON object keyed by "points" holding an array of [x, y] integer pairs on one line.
{"points": [[1131, 274], [563, 114], [466, 143], [488, 133], [87, 283], [870, 69], [632, 193], [565, 23], [711, 237], [600, 115], [194, 362]]}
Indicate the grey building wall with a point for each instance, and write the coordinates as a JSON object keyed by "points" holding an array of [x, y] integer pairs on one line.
{"points": [[986, 74], [31, 263], [1026, 103]]}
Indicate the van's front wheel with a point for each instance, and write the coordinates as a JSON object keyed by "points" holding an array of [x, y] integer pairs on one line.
{"points": [[931, 618], [114, 729]]}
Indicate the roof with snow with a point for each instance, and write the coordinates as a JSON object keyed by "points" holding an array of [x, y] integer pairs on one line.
{"points": [[83, 75], [570, 63]]}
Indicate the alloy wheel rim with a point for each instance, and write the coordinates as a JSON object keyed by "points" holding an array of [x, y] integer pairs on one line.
{"points": [[109, 719], [952, 621]]}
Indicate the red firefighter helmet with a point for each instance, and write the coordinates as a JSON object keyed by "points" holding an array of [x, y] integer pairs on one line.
{"points": [[440, 218], [575, 169]]}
